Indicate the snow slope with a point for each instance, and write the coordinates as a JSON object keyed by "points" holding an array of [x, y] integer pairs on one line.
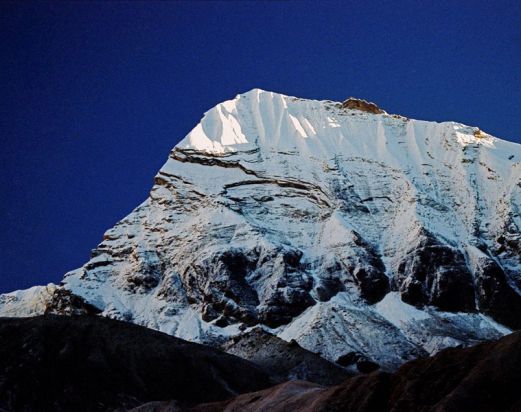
{"points": [[345, 230]]}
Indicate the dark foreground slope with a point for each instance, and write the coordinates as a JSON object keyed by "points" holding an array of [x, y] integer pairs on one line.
{"points": [[482, 378], [91, 363]]}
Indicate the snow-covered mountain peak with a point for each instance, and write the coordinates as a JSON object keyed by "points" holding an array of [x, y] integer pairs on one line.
{"points": [[268, 121], [260, 118], [335, 224]]}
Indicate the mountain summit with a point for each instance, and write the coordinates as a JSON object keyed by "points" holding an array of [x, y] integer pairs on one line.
{"points": [[352, 231]]}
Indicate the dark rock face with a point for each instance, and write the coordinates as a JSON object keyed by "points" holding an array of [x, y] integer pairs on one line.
{"points": [[496, 297], [363, 365], [327, 288], [482, 378], [147, 272], [232, 286], [284, 361], [287, 293], [89, 363], [363, 270], [272, 286], [222, 282], [367, 366], [508, 245], [436, 274], [373, 283], [64, 302], [362, 105]]}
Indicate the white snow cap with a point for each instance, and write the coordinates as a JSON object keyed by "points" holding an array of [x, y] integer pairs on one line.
{"points": [[260, 118]]}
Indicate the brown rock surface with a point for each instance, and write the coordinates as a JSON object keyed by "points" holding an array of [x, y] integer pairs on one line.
{"points": [[362, 105]]}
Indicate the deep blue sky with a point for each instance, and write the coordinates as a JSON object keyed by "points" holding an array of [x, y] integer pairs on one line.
{"points": [[94, 95]]}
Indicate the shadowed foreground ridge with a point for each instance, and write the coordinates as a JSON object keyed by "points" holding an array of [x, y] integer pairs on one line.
{"points": [[62, 363], [481, 378], [85, 363]]}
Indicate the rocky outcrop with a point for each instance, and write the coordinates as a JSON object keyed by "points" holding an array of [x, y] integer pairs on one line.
{"points": [[495, 296], [283, 360], [64, 302], [362, 364], [225, 285], [436, 274], [362, 105]]}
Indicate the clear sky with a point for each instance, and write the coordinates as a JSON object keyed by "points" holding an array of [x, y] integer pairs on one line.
{"points": [[94, 95]]}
